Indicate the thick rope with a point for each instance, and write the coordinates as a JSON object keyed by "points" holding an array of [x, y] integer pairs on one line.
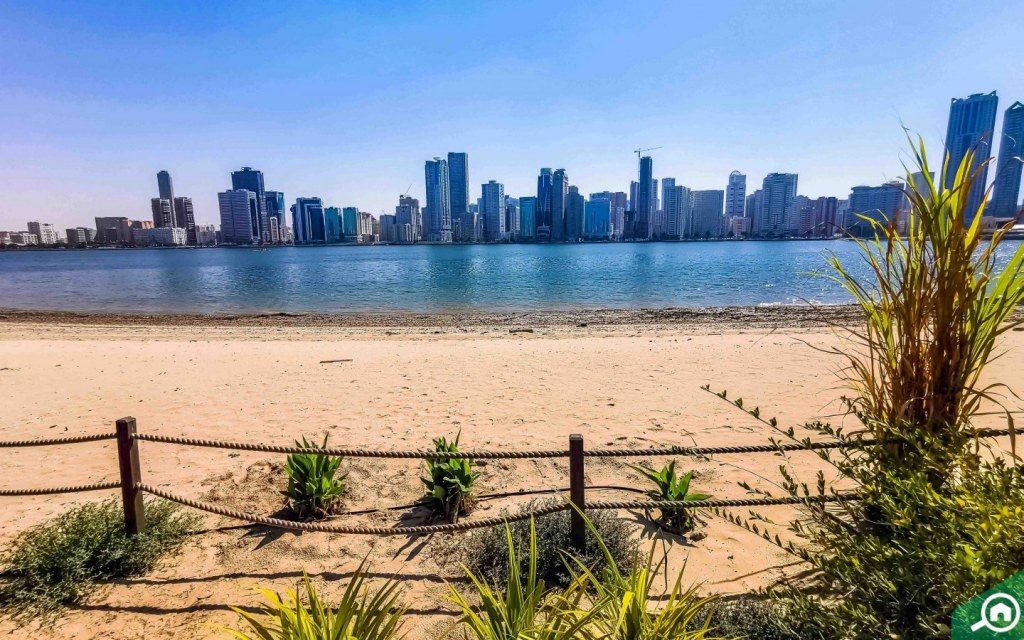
{"points": [[683, 505], [353, 453], [53, 441], [96, 486], [321, 527], [500, 455]]}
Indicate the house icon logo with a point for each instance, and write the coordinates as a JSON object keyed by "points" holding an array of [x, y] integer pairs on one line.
{"points": [[993, 614]]}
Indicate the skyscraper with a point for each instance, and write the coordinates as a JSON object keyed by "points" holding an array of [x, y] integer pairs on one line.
{"points": [[559, 202], [544, 204], [512, 218], [1006, 191], [275, 208], [252, 180], [350, 224], [163, 212], [164, 185], [439, 219], [706, 213], [575, 208], [527, 218], [408, 213], [775, 216], [882, 204], [972, 123], [458, 189], [661, 223], [645, 199], [332, 219], [735, 195], [238, 210], [309, 221], [826, 224], [597, 217], [493, 211], [185, 218]]}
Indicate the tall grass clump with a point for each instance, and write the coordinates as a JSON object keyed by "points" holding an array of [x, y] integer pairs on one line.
{"points": [[315, 484], [938, 519], [56, 563], [360, 614], [671, 487]]}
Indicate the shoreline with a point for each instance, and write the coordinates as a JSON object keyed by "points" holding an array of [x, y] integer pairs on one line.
{"points": [[738, 317]]}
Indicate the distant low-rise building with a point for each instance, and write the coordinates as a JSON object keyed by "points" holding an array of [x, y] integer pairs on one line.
{"points": [[24, 239], [45, 232], [160, 237], [206, 235]]}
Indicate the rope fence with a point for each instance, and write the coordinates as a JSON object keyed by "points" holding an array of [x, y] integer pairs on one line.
{"points": [[132, 487]]}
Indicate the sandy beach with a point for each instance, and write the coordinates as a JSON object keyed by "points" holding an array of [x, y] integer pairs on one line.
{"points": [[509, 381]]}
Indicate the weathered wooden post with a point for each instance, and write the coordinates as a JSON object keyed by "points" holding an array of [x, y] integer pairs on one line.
{"points": [[131, 475], [577, 492]]}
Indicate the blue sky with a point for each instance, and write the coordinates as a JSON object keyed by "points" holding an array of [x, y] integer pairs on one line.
{"points": [[346, 100]]}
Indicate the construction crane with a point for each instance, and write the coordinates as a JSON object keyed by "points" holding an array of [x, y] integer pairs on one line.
{"points": [[640, 151], [407, 190]]}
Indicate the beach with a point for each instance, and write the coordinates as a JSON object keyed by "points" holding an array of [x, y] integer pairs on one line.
{"points": [[509, 381]]}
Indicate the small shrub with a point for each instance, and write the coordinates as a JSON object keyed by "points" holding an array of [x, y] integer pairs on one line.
{"points": [[753, 619], [449, 483], [676, 489], [314, 484], [54, 563], [360, 613], [485, 551]]}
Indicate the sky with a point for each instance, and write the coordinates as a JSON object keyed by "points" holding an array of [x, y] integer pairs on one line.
{"points": [[346, 100]]}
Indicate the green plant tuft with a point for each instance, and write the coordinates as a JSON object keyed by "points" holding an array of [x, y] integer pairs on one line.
{"points": [[449, 483], [55, 563], [314, 484], [671, 487]]}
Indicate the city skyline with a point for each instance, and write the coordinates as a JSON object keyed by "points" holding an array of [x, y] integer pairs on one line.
{"points": [[90, 117]]}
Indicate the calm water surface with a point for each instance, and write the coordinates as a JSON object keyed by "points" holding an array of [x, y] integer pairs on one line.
{"points": [[424, 278]]}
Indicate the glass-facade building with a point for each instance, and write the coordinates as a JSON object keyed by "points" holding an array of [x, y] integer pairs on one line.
{"points": [[972, 123]]}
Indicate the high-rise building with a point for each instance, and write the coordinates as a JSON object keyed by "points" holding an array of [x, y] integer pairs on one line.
{"points": [[528, 218], [645, 206], [559, 202], [675, 202], [544, 204], [775, 215], [575, 208], [458, 189], [276, 208], [185, 218], [44, 231], [252, 180], [512, 219], [882, 204], [163, 212], [1006, 190], [972, 123], [332, 221], [597, 217], [661, 223], [735, 195], [309, 221], [350, 224], [164, 186], [706, 214], [80, 236], [408, 213], [439, 219], [239, 209], [493, 211], [826, 224], [113, 230]]}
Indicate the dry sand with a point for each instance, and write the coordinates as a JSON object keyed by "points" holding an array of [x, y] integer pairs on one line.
{"points": [[623, 379]]}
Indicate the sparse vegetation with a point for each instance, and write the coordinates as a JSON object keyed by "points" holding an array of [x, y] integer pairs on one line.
{"points": [[315, 485], [449, 483], [937, 521], [671, 487], [360, 613], [55, 563], [485, 551]]}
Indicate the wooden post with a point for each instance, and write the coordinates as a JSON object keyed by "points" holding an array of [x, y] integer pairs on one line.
{"points": [[131, 475], [577, 493]]}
